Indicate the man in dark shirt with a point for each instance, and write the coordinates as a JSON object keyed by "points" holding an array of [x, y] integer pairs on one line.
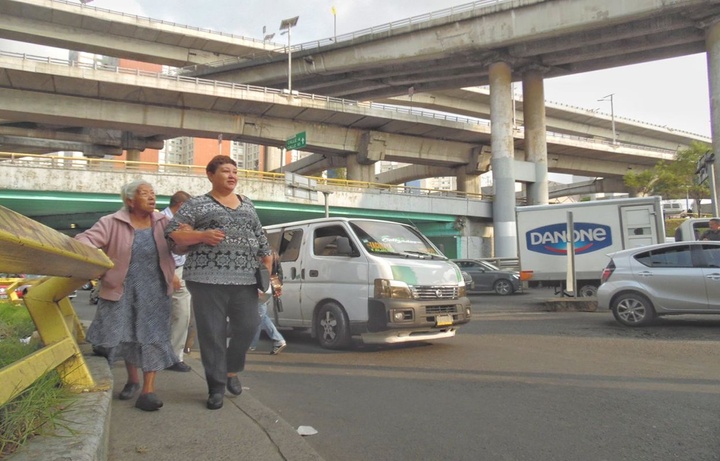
{"points": [[714, 232]]}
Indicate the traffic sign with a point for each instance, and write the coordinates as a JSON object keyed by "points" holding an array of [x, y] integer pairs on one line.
{"points": [[296, 142], [702, 171]]}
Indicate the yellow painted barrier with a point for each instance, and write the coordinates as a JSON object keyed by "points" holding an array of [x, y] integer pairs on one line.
{"points": [[29, 247]]}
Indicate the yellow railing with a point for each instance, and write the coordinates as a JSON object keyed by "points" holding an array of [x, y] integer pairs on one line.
{"points": [[29, 247]]}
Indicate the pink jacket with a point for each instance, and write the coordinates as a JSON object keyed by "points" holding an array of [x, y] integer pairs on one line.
{"points": [[114, 235]]}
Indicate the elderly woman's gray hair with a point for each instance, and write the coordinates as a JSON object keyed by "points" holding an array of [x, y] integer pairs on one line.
{"points": [[129, 189]]}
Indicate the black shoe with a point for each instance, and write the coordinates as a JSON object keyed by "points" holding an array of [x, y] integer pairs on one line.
{"points": [[180, 366], [233, 385], [148, 402], [215, 401], [129, 391]]}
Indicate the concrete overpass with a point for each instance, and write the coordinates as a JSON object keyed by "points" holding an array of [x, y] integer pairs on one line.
{"points": [[70, 194], [69, 96], [447, 49], [67, 24]]}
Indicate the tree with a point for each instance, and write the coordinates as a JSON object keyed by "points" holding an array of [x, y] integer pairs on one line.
{"points": [[673, 179]]}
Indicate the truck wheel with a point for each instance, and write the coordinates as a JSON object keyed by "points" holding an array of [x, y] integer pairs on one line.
{"points": [[633, 310], [332, 327], [588, 290], [503, 287]]}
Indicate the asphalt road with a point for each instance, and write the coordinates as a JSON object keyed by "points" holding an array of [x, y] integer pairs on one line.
{"points": [[516, 383]]}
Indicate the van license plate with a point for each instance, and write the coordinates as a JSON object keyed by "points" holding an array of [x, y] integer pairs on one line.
{"points": [[443, 320]]}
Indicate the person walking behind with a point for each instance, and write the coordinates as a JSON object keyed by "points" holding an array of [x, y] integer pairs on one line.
{"points": [[224, 238], [266, 324], [132, 321], [181, 299]]}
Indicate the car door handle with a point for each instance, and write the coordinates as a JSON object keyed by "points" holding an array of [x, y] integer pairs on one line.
{"points": [[645, 274], [713, 276], [313, 273]]}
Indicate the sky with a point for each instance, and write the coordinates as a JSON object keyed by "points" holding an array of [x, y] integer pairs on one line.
{"points": [[671, 93]]}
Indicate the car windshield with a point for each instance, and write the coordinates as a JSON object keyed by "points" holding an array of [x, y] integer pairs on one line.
{"points": [[386, 238]]}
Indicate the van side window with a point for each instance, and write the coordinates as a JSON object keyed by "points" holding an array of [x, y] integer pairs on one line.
{"points": [[290, 245], [328, 241]]}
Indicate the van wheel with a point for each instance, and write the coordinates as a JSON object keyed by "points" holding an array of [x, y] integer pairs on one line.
{"points": [[332, 327], [633, 310], [503, 287]]}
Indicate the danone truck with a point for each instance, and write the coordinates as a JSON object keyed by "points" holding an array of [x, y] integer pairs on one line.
{"points": [[599, 227]]}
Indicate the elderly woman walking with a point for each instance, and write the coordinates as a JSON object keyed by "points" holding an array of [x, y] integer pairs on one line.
{"points": [[132, 321]]}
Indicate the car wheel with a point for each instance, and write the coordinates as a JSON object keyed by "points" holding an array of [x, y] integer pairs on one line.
{"points": [[332, 327], [633, 310], [503, 287], [588, 291]]}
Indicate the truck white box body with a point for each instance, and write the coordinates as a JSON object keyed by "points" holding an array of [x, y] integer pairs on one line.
{"points": [[600, 227]]}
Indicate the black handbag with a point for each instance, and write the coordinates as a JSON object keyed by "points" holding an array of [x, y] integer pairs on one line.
{"points": [[262, 278]]}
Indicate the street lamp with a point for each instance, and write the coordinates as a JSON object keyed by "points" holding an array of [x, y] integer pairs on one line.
{"points": [[287, 24], [612, 114]]}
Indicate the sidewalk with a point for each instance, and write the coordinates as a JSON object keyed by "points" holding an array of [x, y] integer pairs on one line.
{"points": [[184, 429]]}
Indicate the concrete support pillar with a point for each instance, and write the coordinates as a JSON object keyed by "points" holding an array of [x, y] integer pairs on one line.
{"points": [[359, 172], [273, 158], [468, 182], [133, 155], [535, 139], [501, 117], [712, 43]]}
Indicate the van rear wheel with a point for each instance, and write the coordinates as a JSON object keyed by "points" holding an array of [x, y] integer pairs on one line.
{"points": [[332, 327]]}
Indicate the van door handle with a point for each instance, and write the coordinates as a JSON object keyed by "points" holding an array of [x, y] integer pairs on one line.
{"points": [[313, 273]]}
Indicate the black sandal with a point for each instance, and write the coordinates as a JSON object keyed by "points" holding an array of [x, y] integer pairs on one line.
{"points": [[129, 391]]}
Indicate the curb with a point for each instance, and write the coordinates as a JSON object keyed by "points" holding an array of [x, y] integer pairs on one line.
{"points": [[85, 431]]}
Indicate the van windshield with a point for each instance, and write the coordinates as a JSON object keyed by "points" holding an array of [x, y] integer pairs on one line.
{"points": [[386, 238]]}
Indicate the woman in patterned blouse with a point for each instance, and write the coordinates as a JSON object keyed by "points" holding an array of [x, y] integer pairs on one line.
{"points": [[223, 237]]}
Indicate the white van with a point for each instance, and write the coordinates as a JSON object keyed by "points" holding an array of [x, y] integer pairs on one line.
{"points": [[380, 280]]}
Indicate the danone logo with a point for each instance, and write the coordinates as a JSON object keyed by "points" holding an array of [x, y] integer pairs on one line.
{"points": [[552, 240]]}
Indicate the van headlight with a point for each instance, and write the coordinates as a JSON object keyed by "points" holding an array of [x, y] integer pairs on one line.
{"points": [[462, 291], [392, 289]]}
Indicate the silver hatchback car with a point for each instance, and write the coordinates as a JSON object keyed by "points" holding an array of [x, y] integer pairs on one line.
{"points": [[643, 283]]}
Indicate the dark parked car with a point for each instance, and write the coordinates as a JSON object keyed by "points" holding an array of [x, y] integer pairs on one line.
{"points": [[643, 283], [488, 277]]}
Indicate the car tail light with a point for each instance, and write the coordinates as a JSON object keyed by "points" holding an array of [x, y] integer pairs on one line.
{"points": [[607, 272]]}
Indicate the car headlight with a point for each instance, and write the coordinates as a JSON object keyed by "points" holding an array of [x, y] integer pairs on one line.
{"points": [[392, 289]]}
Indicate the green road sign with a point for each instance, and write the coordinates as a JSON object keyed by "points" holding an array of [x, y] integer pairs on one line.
{"points": [[297, 142]]}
